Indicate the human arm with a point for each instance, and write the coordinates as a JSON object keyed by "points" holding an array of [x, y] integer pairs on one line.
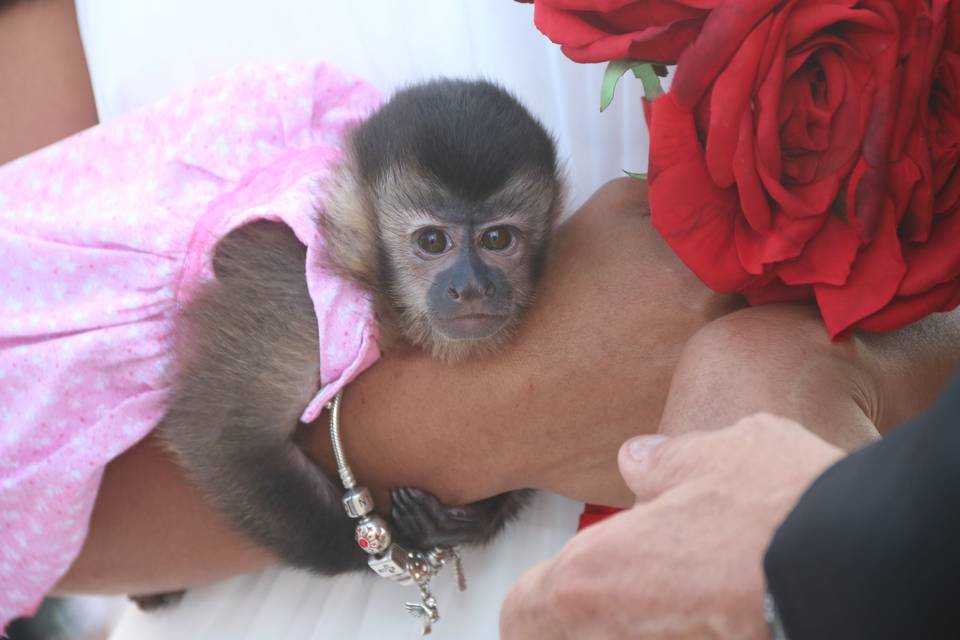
{"points": [[150, 531], [869, 551], [563, 411], [779, 359], [46, 93]]}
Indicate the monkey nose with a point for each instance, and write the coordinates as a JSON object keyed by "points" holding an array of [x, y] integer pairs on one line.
{"points": [[472, 292]]}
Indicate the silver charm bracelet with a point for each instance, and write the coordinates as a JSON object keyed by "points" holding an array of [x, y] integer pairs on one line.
{"points": [[387, 558]]}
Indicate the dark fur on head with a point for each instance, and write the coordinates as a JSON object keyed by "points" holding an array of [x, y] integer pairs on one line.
{"points": [[452, 148]]}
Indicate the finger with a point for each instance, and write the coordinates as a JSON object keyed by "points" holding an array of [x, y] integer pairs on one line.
{"points": [[526, 612], [644, 468]]}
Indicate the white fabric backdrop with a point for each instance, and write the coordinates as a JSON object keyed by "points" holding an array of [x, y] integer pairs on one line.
{"points": [[140, 51]]}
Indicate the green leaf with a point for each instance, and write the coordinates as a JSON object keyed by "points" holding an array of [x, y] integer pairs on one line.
{"points": [[638, 176], [612, 74]]}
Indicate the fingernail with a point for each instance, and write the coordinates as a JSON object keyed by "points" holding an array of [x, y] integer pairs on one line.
{"points": [[641, 447]]}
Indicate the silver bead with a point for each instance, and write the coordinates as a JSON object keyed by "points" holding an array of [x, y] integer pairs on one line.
{"points": [[419, 568], [392, 564], [358, 502], [372, 534]]}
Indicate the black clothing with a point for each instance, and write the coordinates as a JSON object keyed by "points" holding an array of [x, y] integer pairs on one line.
{"points": [[872, 550]]}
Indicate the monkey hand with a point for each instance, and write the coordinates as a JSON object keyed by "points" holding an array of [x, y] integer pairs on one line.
{"points": [[422, 521]]}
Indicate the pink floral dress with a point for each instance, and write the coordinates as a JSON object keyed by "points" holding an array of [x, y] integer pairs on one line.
{"points": [[103, 238]]}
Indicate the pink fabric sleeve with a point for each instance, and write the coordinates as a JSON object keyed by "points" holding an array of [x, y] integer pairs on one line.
{"points": [[96, 254]]}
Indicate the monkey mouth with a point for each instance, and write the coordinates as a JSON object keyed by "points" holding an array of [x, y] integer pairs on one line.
{"points": [[473, 326]]}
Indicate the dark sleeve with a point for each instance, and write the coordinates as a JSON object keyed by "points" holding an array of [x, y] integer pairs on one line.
{"points": [[872, 550]]}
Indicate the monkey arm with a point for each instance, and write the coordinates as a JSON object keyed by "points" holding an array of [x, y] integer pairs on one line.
{"points": [[249, 364]]}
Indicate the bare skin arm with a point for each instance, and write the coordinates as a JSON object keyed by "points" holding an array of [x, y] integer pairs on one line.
{"points": [[591, 367], [522, 418], [778, 359], [548, 412], [45, 93]]}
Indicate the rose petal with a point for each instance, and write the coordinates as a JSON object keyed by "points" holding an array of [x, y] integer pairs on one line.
{"points": [[767, 115], [650, 30], [845, 131], [811, 18], [903, 179], [826, 258], [724, 29], [601, 6], [655, 44], [918, 217], [873, 282], [784, 240], [802, 200], [777, 291], [917, 75], [868, 192], [935, 261], [868, 198], [753, 197], [906, 310], [946, 181], [694, 216], [730, 99]]}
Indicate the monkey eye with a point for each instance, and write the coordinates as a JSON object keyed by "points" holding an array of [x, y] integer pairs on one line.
{"points": [[496, 239], [432, 241]]}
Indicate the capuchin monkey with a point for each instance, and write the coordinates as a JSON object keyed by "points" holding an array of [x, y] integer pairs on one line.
{"points": [[443, 208]]}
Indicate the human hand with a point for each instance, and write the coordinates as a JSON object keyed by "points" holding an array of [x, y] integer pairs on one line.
{"points": [[686, 561]]}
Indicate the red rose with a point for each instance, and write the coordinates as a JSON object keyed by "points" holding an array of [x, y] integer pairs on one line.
{"points": [[601, 30], [815, 156], [931, 227]]}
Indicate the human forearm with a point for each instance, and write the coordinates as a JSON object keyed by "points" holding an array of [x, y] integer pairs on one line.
{"points": [[153, 531], [910, 367], [779, 359], [550, 411], [46, 92]]}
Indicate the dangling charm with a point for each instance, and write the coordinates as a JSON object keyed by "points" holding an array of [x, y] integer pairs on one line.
{"points": [[426, 609]]}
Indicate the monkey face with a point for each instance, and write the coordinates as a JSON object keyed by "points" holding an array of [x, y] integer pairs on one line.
{"points": [[461, 272], [470, 296], [443, 209]]}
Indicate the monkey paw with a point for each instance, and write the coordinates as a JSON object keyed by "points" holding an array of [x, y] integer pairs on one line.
{"points": [[423, 521]]}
